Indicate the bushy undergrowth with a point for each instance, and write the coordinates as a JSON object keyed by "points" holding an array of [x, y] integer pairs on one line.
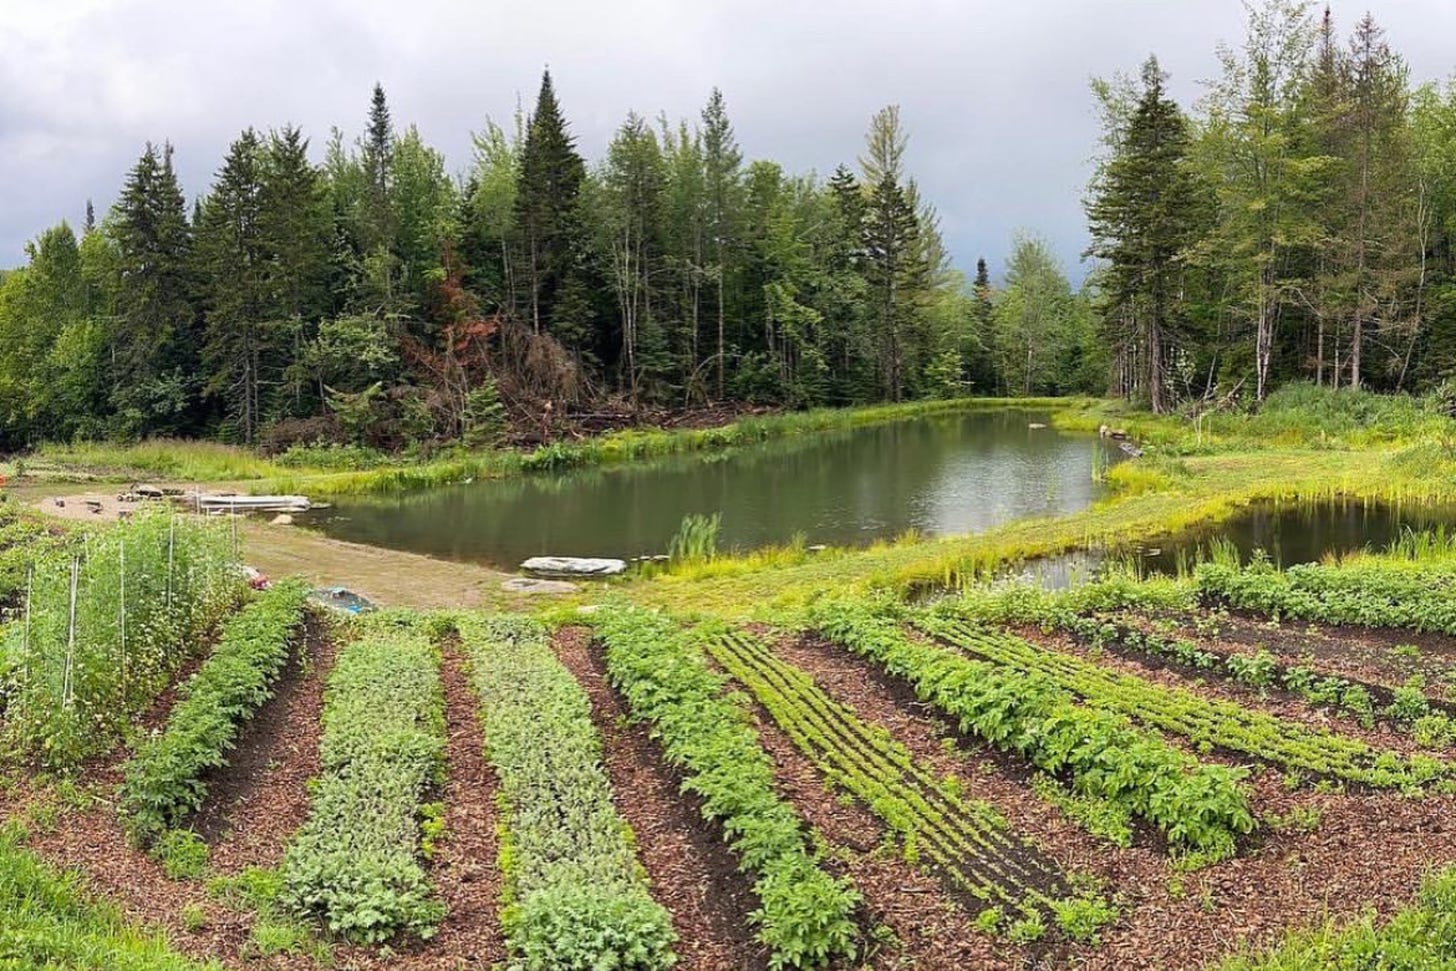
{"points": [[102, 628], [1199, 807], [577, 899], [355, 865], [166, 781], [805, 915]]}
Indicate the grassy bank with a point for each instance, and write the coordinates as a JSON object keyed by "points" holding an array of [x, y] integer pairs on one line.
{"points": [[317, 472], [1307, 444]]}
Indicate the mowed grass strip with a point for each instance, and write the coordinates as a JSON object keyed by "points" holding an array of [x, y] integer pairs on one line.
{"points": [[967, 840], [577, 897], [806, 915], [355, 864]]}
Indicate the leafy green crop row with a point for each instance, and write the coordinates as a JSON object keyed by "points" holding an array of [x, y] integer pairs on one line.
{"points": [[1208, 722], [577, 897], [354, 864], [103, 627], [166, 779], [966, 839], [1405, 706], [1200, 807], [806, 915], [1370, 592]]}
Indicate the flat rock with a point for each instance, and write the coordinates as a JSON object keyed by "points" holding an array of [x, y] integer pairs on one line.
{"points": [[574, 566], [535, 585]]}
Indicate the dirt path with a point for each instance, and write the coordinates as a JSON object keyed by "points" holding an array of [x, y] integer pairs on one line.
{"points": [[693, 873], [256, 803], [464, 870]]}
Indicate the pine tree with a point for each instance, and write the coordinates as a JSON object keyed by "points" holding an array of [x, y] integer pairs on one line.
{"points": [[982, 369], [1142, 217], [547, 217], [376, 157], [241, 351], [894, 275]]}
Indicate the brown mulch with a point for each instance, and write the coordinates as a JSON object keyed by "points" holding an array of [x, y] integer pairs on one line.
{"points": [[464, 870], [260, 797], [692, 871], [1367, 849]]}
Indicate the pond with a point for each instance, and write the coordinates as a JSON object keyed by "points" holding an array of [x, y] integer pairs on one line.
{"points": [[1300, 532], [1289, 533], [940, 475]]}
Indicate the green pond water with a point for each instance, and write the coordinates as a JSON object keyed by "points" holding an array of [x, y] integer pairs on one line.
{"points": [[941, 475]]}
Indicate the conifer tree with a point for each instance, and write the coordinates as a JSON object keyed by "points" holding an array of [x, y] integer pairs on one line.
{"points": [[723, 183], [547, 216], [1142, 217], [153, 343]]}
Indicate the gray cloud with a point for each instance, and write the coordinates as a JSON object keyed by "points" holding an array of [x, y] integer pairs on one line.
{"points": [[995, 94]]}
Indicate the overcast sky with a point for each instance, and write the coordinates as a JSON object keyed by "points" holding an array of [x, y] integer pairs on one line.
{"points": [[994, 93]]}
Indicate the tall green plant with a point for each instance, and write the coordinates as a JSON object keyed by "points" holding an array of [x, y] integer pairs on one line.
{"points": [[104, 626]]}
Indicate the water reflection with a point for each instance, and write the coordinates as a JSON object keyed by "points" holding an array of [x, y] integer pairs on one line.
{"points": [[940, 475]]}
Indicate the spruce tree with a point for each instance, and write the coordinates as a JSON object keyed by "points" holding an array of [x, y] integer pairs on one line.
{"points": [[1142, 215], [547, 217], [241, 352], [723, 185], [153, 342]]}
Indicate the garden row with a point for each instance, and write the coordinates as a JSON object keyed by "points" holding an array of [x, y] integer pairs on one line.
{"points": [[1208, 723], [966, 840], [1099, 752], [102, 625], [576, 897]]}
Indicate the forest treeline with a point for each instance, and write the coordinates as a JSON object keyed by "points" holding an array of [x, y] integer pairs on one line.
{"points": [[375, 298], [1294, 223]]}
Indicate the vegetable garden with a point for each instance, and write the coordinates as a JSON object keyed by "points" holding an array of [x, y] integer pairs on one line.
{"points": [[1131, 773]]}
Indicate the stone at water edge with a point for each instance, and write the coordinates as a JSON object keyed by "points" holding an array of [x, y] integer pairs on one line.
{"points": [[282, 519], [574, 566], [533, 585]]}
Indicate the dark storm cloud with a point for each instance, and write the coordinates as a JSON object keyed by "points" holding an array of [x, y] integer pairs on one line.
{"points": [[995, 94]]}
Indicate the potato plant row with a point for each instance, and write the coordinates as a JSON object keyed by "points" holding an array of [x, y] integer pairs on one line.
{"points": [[1205, 721], [1201, 808], [355, 863], [806, 916], [966, 840], [576, 896], [1373, 594], [166, 780]]}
